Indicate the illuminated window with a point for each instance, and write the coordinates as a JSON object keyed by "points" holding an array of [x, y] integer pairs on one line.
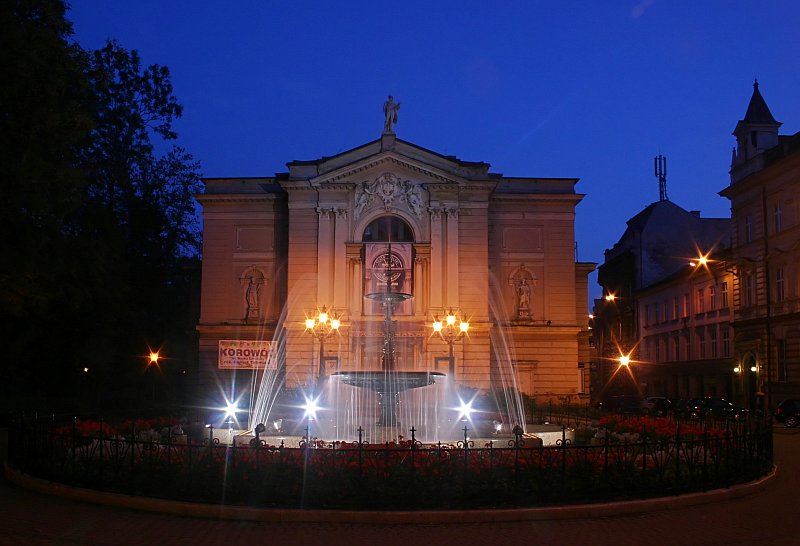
{"points": [[778, 215], [701, 300], [724, 291], [712, 298]]}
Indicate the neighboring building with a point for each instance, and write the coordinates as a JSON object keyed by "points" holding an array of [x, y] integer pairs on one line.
{"points": [[686, 343], [765, 206], [657, 245], [498, 250]]}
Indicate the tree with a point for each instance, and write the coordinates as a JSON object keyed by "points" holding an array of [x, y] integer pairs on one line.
{"points": [[99, 226], [139, 208], [44, 121]]}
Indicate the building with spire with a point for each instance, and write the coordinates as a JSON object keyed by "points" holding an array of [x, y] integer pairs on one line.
{"points": [[494, 251], [764, 193]]}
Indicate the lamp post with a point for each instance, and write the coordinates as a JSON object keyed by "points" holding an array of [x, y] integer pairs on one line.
{"points": [[451, 329], [321, 327]]}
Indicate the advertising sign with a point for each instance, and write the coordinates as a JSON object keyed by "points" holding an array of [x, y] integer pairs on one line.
{"points": [[239, 354]]}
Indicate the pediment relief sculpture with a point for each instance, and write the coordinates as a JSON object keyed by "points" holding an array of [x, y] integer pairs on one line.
{"points": [[388, 191]]}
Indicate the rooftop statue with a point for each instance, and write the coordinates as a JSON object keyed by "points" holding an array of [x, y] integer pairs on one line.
{"points": [[390, 109]]}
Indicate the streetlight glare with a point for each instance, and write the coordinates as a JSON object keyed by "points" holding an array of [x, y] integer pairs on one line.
{"points": [[465, 410], [310, 322], [464, 326], [437, 326], [154, 357], [311, 408], [451, 319], [335, 323], [611, 297], [624, 360]]}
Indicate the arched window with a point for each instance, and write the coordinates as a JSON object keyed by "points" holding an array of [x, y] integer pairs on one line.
{"points": [[388, 229]]}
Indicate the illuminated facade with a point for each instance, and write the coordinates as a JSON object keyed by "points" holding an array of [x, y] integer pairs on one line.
{"points": [[497, 251]]}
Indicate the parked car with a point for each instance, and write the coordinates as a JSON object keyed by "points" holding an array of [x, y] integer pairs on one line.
{"points": [[788, 412], [657, 405], [714, 407], [622, 403]]}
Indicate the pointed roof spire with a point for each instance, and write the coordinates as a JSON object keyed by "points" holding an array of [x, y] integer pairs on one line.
{"points": [[757, 111]]}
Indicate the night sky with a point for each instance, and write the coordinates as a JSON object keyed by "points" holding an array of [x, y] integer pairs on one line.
{"points": [[585, 89]]}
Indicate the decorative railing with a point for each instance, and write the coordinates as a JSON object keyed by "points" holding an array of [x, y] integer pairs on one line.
{"points": [[396, 476]]}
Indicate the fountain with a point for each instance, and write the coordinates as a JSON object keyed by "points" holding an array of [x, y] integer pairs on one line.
{"points": [[381, 404]]}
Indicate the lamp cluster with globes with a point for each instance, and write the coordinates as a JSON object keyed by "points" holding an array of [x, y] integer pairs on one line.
{"points": [[325, 324], [450, 329]]}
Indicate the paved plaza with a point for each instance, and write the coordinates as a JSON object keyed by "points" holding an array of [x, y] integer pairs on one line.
{"points": [[766, 516]]}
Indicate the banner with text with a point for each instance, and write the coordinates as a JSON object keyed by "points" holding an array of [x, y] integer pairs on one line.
{"points": [[239, 354]]}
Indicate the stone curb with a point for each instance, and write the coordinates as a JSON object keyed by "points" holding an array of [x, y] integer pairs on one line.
{"points": [[276, 515]]}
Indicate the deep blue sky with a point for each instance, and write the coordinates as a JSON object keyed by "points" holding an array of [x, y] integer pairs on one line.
{"points": [[586, 89]]}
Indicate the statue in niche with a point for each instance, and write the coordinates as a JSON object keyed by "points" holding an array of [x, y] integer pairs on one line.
{"points": [[524, 292], [523, 283], [390, 109], [253, 279]]}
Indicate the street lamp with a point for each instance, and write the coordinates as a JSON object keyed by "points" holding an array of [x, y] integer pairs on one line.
{"points": [[451, 329], [321, 327]]}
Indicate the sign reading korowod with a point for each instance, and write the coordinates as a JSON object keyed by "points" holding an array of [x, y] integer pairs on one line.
{"points": [[236, 354]]}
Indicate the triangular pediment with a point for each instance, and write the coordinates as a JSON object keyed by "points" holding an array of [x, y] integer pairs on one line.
{"points": [[388, 155]]}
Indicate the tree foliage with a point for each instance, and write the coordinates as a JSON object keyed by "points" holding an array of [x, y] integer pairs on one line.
{"points": [[98, 198]]}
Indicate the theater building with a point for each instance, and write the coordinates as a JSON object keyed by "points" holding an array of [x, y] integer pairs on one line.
{"points": [[496, 252]]}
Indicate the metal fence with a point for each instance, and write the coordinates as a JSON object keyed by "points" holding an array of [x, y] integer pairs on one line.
{"points": [[400, 476]]}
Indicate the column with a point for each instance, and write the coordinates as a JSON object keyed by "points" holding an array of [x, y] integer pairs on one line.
{"points": [[451, 263], [354, 273], [324, 257], [339, 299], [422, 257], [437, 257]]}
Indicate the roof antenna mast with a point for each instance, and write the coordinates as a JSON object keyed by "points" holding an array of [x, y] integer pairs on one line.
{"points": [[661, 173]]}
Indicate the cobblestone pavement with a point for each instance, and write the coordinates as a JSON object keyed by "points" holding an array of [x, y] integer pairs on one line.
{"points": [[764, 518]]}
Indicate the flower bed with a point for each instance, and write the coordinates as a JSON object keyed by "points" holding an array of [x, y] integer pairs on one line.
{"points": [[636, 458]]}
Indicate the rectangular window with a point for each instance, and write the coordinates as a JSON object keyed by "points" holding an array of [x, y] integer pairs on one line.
{"points": [[686, 305], [655, 313], [780, 285], [712, 340], [712, 298], [675, 308], [726, 341], [701, 344], [778, 217], [747, 290], [701, 300], [665, 312], [676, 349], [646, 315], [783, 368], [748, 230], [724, 295]]}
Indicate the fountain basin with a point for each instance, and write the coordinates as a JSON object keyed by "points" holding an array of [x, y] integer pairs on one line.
{"points": [[385, 382]]}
